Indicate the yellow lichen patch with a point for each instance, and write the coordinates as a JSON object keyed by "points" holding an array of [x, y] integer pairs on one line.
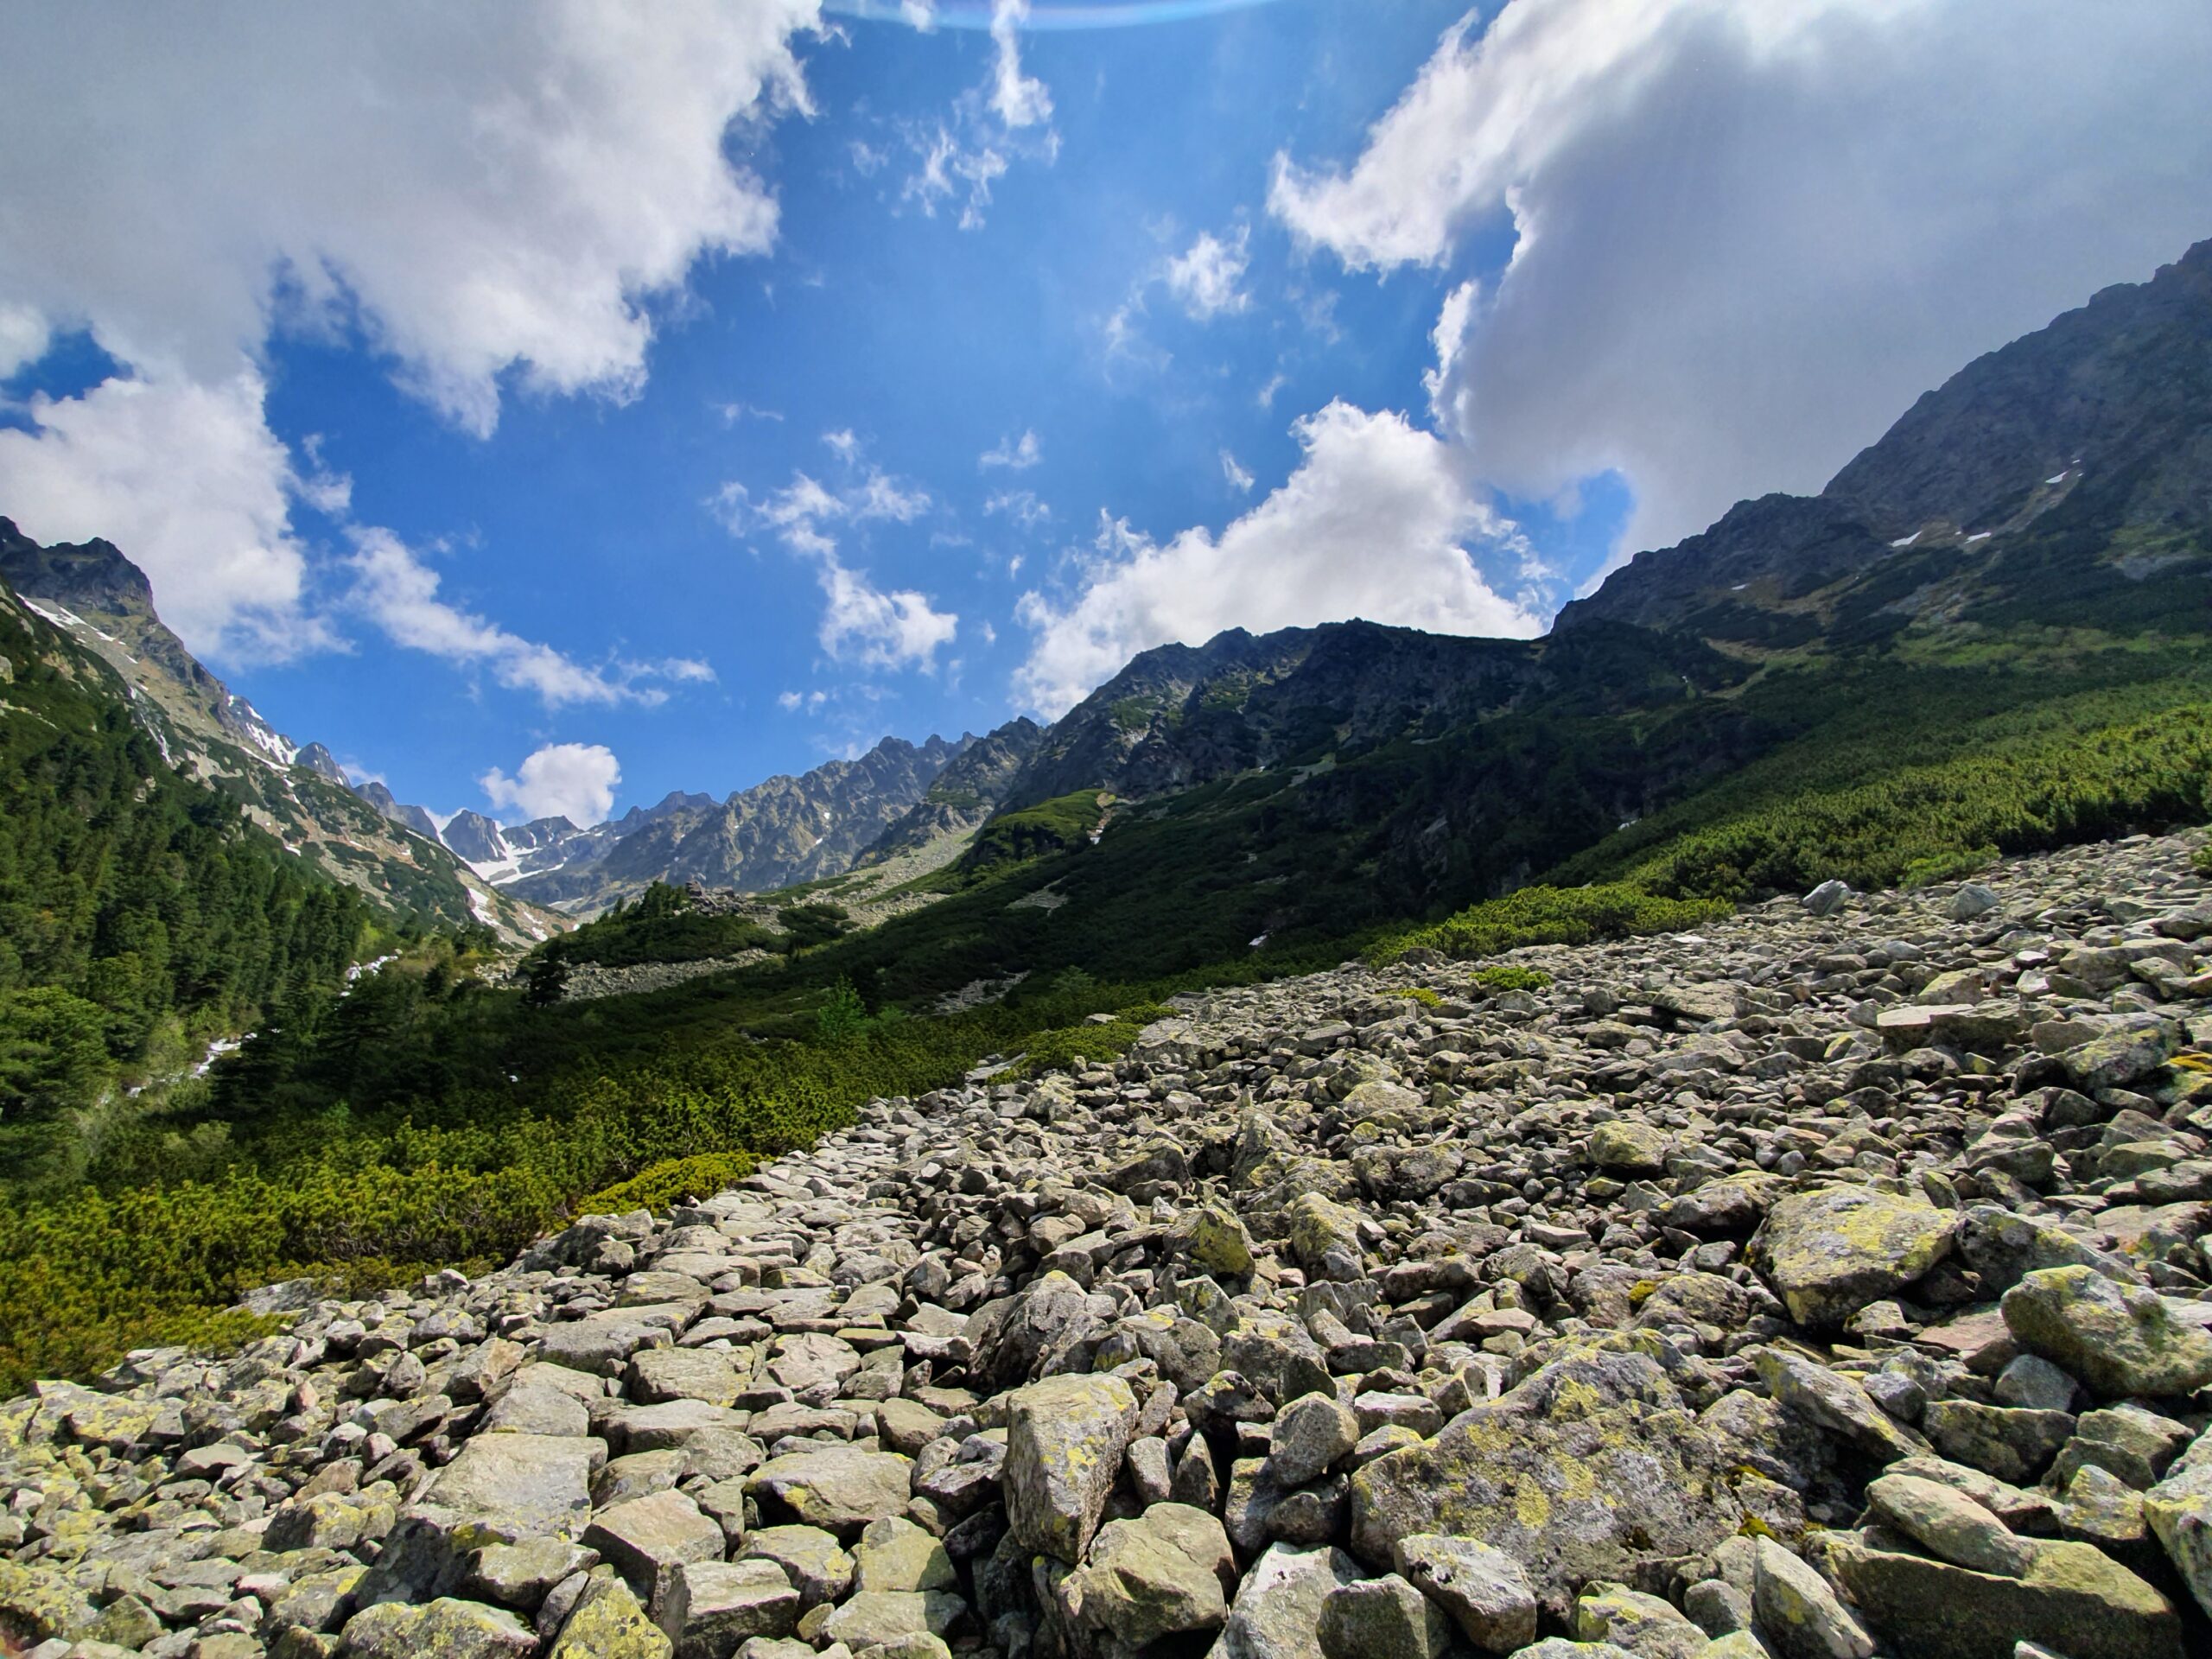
{"points": [[1531, 1507]]}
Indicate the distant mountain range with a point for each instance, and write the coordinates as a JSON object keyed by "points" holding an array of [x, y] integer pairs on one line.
{"points": [[2064, 481]]}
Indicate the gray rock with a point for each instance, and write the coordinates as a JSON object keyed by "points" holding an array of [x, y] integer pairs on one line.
{"points": [[1277, 1612], [1483, 1590], [2118, 1339], [1383, 1618], [1065, 1437]]}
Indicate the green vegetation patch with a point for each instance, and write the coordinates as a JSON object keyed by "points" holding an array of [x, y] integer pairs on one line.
{"points": [[1504, 977], [670, 1181], [1052, 826], [1551, 916]]}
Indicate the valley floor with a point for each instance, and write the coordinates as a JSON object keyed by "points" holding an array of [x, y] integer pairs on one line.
{"points": [[1813, 1283]]}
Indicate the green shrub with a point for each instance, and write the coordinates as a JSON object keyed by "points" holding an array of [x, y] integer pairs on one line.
{"points": [[1947, 866], [1551, 916], [701, 1176], [2203, 862], [1421, 994], [1504, 978]]}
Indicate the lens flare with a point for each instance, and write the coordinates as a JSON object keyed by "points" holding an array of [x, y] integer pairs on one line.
{"points": [[1045, 18]]}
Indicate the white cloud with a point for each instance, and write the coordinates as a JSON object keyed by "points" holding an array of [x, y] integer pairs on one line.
{"points": [[1749, 232], [1017, 99], [1015, 454], [1205, 276], [922, 14], [482, 188], [1239, 480], [23, 337], [844, 444], [1376, 522], [1265, 397], [860, 622], [492, 195], [396, 591], [574, 781], [1022, 506], [948, 164], [186, 479], [1006, 119]]}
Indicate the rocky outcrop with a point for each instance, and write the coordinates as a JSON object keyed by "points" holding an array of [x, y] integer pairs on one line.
{"points": [[1687, 1307]]}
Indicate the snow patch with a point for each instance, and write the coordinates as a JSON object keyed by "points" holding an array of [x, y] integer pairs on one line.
{"points": [[1906, 541], [1979, 535], [483, 908]]}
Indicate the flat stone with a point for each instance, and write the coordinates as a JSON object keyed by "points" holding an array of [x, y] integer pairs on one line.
{"points": [[2073, 1599], [647, 1537], [1587, 1467], [839, 1488], [1163, 1573], [444, 1629], [708, 1608]]}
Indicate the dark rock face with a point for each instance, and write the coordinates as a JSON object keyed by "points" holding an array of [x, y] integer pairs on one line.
{"points": [[969, 788], [476, 838]]}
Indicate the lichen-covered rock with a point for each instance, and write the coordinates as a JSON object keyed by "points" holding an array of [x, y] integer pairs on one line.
{"points": [[1166, 1573], [1643, 1623], [1483, 1590], [607, 1623], [1830, 1252], [1383, 1618], [1588, 1467], [839, 1488], [2074, 1599], [2118, 1339], [1627, 1146], [1064, 1440], [1793, 1607], [1949, 1524], [1277, 1612], [445, 1629]]}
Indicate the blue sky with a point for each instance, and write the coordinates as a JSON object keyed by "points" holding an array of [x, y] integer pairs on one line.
{"points": [[780, 380]]}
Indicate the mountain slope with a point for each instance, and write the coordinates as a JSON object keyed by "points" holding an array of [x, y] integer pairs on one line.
{"points": [[106, 605], [969, 788], [2106, 412], [140, 913]]}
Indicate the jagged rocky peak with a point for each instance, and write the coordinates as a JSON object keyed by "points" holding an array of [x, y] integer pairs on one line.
{"points": [[413, 818], [538, 833], [473, 836], [321, 762]]}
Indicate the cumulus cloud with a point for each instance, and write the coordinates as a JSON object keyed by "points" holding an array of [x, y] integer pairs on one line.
{"points": [[574, 781], [480, 189], [396, 591], [1376, 522], [186, 478], [1205, 278], [1015, 454], [1748, 234], [860, 622], [488, 194]]}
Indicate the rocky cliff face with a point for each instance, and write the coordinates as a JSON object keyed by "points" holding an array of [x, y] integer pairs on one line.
{"points": [[1831, 1282], [970, 788], [298, 794]]}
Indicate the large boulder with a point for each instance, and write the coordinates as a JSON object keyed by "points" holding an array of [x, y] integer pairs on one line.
{"points": [[1590, 1467], [1164, 1573], [1277, 1613], [1064, 1440], [2118, 1339], [2073, 1599], [1831, 1251]]}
